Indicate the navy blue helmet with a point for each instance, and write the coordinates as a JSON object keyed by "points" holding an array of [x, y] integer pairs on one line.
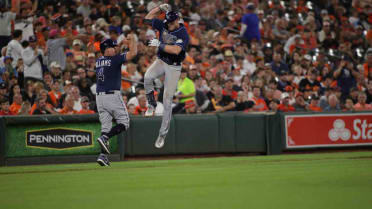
{"points": [[108, 43], [171, 16]]}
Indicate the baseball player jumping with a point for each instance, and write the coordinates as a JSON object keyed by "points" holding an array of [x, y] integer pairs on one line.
{"points": [[110, 103], [172, 45]]}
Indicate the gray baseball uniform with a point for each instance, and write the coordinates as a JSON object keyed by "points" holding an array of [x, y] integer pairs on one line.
{"points": [[111, 106], [172, 75], [167, 64]]}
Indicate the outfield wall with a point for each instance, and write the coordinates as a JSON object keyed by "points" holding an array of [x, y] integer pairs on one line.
{"points": [[49, 138]]}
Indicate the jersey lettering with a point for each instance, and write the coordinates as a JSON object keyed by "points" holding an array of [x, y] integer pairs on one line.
{"points": [[100, 75], [103, 63]]}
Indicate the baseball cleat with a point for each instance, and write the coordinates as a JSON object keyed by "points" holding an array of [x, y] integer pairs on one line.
{"points": [[150, 111], [103, 160], [160, 142], [104, 143]]}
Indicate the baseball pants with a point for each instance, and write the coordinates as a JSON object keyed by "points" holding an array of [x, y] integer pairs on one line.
{"points": [[172, 75], [111, 106]]}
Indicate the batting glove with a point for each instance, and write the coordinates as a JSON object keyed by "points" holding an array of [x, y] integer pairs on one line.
{"points": [[154, 42], [165, 7]]}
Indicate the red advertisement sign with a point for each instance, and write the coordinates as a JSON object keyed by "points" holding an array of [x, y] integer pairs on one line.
{"points": [[328, 130]]}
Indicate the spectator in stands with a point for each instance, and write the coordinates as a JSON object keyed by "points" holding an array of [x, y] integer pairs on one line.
{"points": [[310, 83], [55, 47], [284, 106], [56, 70], [345, 76], [273, 105], [349, 105], [367, 67], [142, 105], [259, 102], [219, 102], [132, 109], [55, 93], [68, 106], [75, 94], [185, 91], [313, 106], [242, 103], [278, 66], [42, 107], [201, 98], [250, 24], [4, 92], [4, 108], [333, 103], [33, 59], [6, 18], [17, 104], [48, 80], [300, 104], [14, 47], [228, 89], [362, 105], [85, 106]]}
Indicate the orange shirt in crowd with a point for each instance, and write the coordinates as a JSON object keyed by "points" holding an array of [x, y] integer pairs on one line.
{"points": [[285, 108], [15, 108], [125, 84], [315, 108], [82, 111], [8, 113], [64, 111], [54, 98], [233, 94], [140, 110], [367, 69], [260, 101]]}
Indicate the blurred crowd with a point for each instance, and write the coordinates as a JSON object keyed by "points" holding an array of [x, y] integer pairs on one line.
{"points": [[243, 55]]}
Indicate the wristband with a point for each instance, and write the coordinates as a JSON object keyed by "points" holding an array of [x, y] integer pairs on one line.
{"points": [[162, 46]]}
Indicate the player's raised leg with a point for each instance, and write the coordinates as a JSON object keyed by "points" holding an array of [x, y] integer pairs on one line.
{"points": [[154, 71], [172, 75]]}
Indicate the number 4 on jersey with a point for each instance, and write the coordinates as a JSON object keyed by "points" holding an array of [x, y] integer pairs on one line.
{"points": [[100, 75]]}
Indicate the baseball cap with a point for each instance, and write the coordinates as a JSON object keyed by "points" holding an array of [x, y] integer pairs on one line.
{"points": [[284, 95], [76, 42], [91, 55], [108, 43], [171, 16], [307, 57], [250, 5], [84, 99]]}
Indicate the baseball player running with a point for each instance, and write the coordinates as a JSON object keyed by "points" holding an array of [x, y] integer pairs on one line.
{"points": [[110, 104], [172, 44]]}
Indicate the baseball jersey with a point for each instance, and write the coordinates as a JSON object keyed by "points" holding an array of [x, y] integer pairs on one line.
{"points": [[108, 72], [178, 37]]}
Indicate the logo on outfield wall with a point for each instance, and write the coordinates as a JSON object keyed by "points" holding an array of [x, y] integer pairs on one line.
{"points": [[59, 138]]}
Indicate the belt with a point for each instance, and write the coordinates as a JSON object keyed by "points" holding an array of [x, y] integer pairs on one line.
{"points": [[172, 63], [106, 92]]}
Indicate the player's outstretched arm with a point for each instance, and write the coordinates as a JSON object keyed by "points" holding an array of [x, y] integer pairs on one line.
{"points": [[153, 13], [132, 47]]}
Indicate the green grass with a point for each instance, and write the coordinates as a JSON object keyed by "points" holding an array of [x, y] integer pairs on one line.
{"points": [[335, 180]]}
